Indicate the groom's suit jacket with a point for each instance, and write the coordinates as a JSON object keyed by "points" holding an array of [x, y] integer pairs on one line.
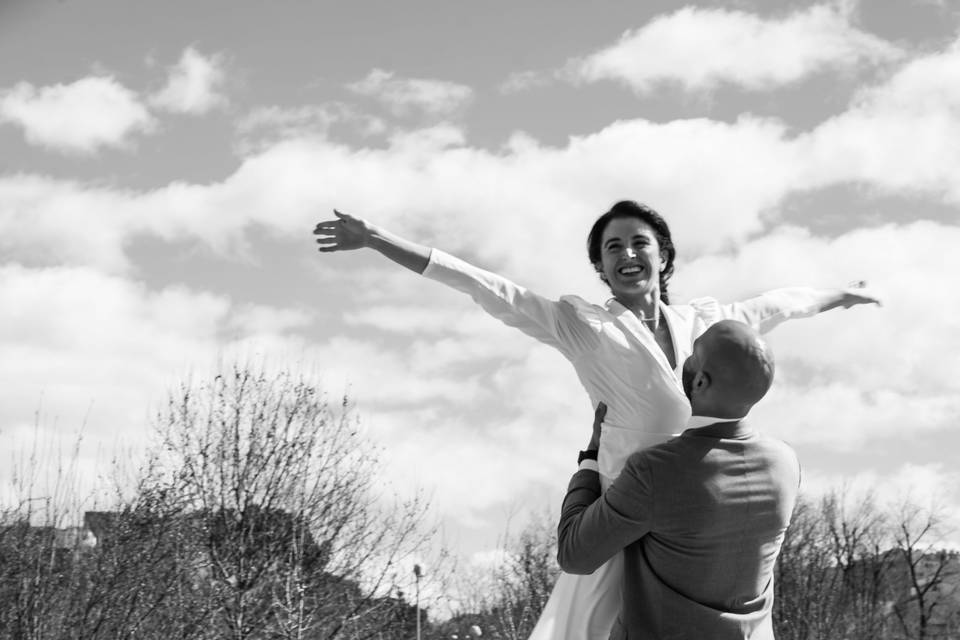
{"points": [[700, 519]]}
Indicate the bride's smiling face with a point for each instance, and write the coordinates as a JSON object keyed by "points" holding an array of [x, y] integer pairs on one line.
{"points": [[630, 258]]}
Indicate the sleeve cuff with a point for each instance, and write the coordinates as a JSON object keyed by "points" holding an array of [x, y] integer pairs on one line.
{"points": [[589, 465], [431, 263]]}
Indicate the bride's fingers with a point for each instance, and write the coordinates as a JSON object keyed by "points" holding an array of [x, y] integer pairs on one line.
{"points": [[327, 225]]}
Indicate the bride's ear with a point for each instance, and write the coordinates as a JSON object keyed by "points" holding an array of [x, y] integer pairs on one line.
{"points": [[598, 267]]}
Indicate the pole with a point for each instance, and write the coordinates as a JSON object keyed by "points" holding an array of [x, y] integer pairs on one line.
{"points": [[418, 573]]}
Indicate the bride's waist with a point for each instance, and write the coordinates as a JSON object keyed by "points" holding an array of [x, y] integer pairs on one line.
{"points": [[618, 443]]}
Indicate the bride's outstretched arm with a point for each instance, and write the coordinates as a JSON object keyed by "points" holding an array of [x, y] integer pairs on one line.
{"points": [[555, 323], [769, 309], [346, 233]]}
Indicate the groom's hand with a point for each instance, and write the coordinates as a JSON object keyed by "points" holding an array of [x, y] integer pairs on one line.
{"points": [[598, 417]]}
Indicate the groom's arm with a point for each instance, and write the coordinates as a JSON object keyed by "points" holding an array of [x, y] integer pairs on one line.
{"points": [[595, 526]]}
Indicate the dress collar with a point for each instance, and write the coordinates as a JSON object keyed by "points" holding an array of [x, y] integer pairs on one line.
{"points": [[629, 322]]}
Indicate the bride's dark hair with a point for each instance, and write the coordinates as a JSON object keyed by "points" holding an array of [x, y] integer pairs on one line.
{"points": [[631, 209]]}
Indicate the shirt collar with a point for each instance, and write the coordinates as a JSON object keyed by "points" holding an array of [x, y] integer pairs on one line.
{"points": [[695, 422], [716, 427]]}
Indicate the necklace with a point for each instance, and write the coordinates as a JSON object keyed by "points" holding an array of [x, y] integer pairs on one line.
{"points": [[651, 322]]}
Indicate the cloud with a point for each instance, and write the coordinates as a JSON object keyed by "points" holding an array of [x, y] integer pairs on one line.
{"points": [[432, 184], [98, 112], [84, 346], [853, 377], [530, 396], [914, 115], [701, 49], [265, 126], [255, 321], [924, 483], [404, 96], [86, 358], [405, 319], [96, 344], [194, 85], [524, 80], [429, 371], [846, 379], [35, 213], [77, 118]]}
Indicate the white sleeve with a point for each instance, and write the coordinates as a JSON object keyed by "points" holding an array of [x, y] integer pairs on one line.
{"points": [[767, 310], [556, 323]]}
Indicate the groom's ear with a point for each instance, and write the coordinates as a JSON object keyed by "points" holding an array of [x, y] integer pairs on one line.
{"points": [[701, 382]]}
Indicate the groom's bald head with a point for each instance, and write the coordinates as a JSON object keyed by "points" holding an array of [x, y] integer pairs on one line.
{"points": [[730, 370]]}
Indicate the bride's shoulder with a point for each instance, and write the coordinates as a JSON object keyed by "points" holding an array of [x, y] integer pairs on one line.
{"points": [[705, 306], [699, 309], [587, 312]]}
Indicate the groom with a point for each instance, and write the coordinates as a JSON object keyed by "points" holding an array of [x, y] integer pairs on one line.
{"points": [[700, 518]]}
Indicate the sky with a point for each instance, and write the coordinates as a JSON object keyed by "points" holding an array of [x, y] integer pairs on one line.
{"points": [[164, 164]]}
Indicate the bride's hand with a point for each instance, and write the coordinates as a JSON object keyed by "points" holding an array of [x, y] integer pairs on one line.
{"points": [[343, 234], [858, 293]]}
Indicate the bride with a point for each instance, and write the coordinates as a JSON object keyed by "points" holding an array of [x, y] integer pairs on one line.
{"points": [[627, 352]]}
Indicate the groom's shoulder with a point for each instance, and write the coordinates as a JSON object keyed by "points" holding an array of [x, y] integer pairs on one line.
{"points": [[664, 455], [775, 445], [779, 456]]}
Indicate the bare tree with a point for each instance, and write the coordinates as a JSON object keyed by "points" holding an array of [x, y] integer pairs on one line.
{"points": [[528, 577], [852, 570], [56, 579], [126, 585], [508, 600], [292, 536], [858, 533], [35, 547], [32, 575], [930, 574], [806, 582]]}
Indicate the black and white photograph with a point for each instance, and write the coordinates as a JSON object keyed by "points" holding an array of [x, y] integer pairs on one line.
{"points": [[436, 320]]}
